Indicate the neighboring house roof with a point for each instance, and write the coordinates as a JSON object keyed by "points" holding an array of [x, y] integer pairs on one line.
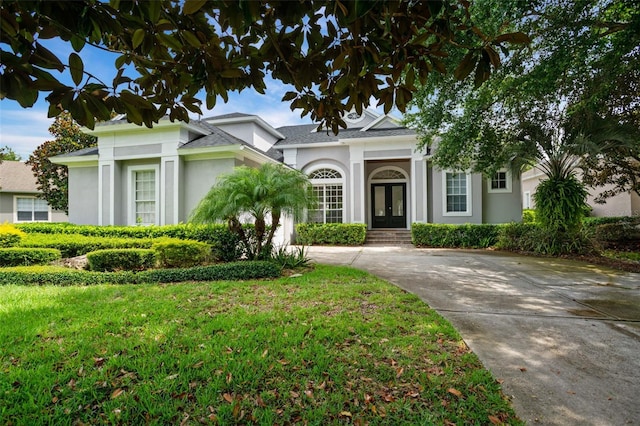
{"points": [[307, 134], [16, 176]]}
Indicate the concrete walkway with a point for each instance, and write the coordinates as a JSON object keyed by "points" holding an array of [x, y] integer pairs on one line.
{"points": [[563, 336]]}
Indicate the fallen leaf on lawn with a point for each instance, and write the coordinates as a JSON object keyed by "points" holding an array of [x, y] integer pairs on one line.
{"points": [[260, 402], [345, 414], [117, 412], [198, 364], [494, 420], [367, 398], [455, 392], [228, 398], [72, 384], [388, 398], [229, 377], [116, 393], [309, 394], [54, 399], [294, 394], [399, 372], [266, 351], [172, 377], [98, 361], [322, 385], [413, 394]]}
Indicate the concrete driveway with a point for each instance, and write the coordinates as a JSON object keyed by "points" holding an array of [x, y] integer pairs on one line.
{"points": [[563, 336]]}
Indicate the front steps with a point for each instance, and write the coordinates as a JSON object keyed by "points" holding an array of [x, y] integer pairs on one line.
{"points": [[388, 237]]}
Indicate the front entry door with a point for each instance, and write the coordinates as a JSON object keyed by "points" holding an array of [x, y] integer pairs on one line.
{"points": [[389, 205]]}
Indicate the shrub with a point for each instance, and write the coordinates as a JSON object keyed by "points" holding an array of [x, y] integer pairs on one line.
{"points": [[71, 245], [540, 240], [63, 277], [290, 258], [181, 253], [528, 216], [343, 234], [18, 256], [453, 236], [225, 245], [10, 236], [121, 260], [561, 204]]}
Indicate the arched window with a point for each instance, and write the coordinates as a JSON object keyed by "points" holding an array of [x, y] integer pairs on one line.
{"points": [[388, 174], [328, 188]]}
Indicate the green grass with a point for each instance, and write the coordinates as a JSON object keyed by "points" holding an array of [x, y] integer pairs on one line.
{"points": [[624, 255], [335, 346]]}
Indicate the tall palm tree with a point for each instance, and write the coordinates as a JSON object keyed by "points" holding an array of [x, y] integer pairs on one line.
{"points": [[266, 192]]}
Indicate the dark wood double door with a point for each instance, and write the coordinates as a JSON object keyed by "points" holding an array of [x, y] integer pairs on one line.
{"points": [[389, 205]]}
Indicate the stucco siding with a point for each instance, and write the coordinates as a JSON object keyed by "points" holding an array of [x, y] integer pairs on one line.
{"points": [[439, 215], [199, 177], [83, 195], [6, 207], [502, 207], [140, 150]]}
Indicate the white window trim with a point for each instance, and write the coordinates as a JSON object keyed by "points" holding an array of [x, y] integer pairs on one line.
{"points": [[508, 189], [526, 200], [15, 209], [469, 210], [341, 181], [131, 208]]}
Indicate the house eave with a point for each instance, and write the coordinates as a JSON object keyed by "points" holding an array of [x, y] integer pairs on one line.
{"points": [[84, 161], [250, 119]]}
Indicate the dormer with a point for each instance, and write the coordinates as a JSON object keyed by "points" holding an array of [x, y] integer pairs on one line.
{"points": [[249, 128]]}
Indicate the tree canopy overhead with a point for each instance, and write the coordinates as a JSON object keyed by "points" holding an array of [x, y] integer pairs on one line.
{"points": [[571, 95], [337, 55]]}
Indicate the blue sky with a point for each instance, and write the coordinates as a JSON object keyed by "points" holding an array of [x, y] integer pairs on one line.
{"points": [[23, 129]]}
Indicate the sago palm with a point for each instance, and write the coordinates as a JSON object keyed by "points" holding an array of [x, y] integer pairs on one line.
{"points": [[269, 191]]}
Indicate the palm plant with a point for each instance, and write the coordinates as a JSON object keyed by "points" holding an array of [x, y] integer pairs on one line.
{"points": [[266, 192]]}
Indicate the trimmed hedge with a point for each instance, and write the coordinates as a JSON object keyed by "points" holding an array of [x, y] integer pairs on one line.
{"points": [[454, 236], [225, 245], [181, 253], [71, 245], [10, 236], [247, 270], [342, 234], [121, 260], [18, 256]]}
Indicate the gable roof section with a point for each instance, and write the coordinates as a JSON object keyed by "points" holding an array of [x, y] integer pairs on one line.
{"points": [[16, 176]]}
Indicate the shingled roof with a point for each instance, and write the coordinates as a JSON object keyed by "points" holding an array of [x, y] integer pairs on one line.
{"points": [[16, 176], [306, 134]]}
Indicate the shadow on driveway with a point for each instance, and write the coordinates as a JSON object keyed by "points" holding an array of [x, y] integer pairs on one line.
{"points": [[563, 336]]}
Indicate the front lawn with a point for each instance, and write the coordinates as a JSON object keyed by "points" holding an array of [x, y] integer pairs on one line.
{"points": [[335, 346]]}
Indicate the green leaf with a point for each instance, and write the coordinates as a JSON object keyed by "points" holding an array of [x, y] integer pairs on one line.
{"points": [[47, 58], [191, 38], [138, 37], [192, 6], [76, 67]]}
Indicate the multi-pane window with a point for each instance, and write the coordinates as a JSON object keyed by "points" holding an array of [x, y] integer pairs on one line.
{"points": [[456, 193], [327, 188], [144, 195], [500, 181], [30, 209]]}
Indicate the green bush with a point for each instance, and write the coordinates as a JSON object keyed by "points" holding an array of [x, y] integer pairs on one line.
{"points": [[225, 244], [10, 236], [534, 238], [71, 245], [225, 271], [454, 236], [342, 234], [290, 258], [528, 216], [561, 204], [18, 256], [121, 260], [181, 253]]}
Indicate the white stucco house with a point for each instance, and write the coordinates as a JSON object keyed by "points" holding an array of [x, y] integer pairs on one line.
{"points": [[370, 173], [622, 204], [19, 201]]}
